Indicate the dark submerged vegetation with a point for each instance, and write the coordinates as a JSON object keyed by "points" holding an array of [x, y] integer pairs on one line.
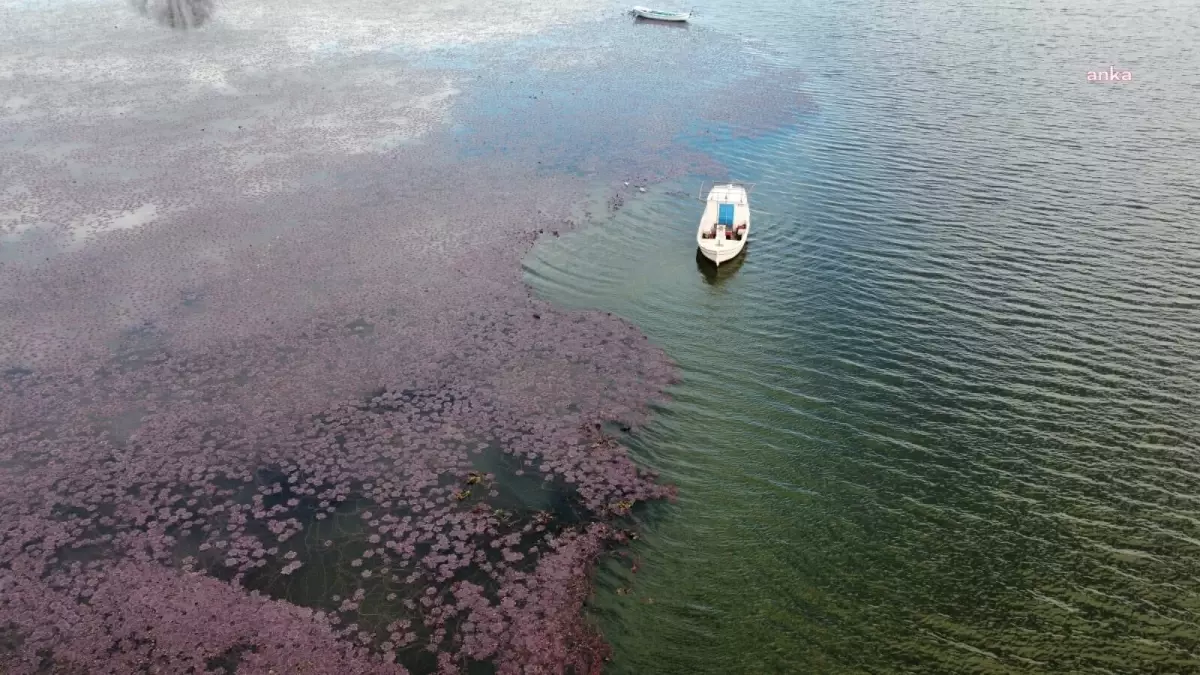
{"points": [[176, 14]]}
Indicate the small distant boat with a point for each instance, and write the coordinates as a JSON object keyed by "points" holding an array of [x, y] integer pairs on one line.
{"points": [[725, 223], [658, 15]]}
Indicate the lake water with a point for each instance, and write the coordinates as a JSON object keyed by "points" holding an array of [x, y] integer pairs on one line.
{"points": [[942, 415]]}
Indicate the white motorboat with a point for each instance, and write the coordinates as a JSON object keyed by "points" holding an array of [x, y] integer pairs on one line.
{"points": [[725, 223], [659, 15]]}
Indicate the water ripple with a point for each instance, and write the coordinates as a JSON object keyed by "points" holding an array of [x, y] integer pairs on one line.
{"points": [[943, 415]]}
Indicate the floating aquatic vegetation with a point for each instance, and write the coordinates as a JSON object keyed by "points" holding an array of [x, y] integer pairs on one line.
{"points": [[365, 531], [353, 487]]}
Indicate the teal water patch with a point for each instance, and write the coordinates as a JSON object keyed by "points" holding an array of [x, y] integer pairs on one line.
{"points": [[601, 98]]}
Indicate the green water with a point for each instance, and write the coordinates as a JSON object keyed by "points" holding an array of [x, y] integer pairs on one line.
{"points": [[942, 415]]}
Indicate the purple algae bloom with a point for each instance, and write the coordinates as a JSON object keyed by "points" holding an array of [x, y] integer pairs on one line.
{"points": [[187, 403]]}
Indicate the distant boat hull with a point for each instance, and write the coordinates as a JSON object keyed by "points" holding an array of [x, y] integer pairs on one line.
{"points": [[656, 15]]}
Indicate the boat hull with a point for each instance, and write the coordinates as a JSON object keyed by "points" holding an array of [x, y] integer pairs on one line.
{"points": [[719, 254], [661, 16]]}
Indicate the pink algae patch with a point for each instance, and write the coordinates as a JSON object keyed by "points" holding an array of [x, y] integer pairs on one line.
{"points": [[238, 481], [142, 617]]}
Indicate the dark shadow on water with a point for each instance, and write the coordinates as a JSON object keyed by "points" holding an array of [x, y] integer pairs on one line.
{"points": [[139, 346], [715, 275], [230, 659], [15, 373], [526, 493], [176, 14]]}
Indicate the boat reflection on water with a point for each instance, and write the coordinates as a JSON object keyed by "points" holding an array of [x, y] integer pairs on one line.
{"points": [[715, 275]]}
